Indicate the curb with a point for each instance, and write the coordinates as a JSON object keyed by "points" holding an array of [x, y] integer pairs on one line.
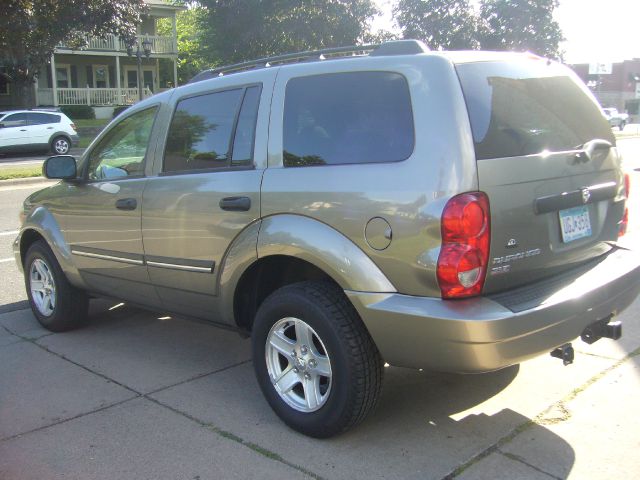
{"points": [[24, 181]]}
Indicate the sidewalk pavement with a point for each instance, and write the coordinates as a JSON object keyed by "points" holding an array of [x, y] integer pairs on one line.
{"points": [[138, 395]]}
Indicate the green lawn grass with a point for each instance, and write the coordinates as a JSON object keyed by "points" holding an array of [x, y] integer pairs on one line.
{"points": [[91, 123], [84, 142], [20, 172]]}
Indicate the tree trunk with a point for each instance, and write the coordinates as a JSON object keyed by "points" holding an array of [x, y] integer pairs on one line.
{"points": [[25, 95]]}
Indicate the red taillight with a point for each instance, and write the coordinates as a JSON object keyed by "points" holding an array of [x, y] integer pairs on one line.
{"points": [[622, 226], [463, 259], [627, 185]]}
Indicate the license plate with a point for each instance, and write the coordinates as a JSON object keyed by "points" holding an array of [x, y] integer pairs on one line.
{"points": [[575, 223]]}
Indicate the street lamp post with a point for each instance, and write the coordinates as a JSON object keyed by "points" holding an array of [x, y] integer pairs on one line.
{"points": [[139, 54]]}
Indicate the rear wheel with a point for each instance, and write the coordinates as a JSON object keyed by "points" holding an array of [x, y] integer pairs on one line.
{"points": [[60, 145], [56, 304], [314, 359]]}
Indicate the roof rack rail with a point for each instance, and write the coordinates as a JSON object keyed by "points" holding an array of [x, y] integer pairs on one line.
{"points": [[396, 47]]}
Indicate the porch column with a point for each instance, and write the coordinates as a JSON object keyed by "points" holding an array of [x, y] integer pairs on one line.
{"points": [[54, 81], [175, 72], [174, 28], [118, 87]]}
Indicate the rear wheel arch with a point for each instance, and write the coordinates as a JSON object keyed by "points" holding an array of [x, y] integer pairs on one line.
{"points": [[265, 276]]}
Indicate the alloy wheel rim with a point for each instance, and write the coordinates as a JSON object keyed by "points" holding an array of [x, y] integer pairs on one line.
{"points": [[43, 287], [61, 146], [298, 364]]}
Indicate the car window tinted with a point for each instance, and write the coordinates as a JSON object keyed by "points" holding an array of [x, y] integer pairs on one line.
{"points": [[15, 120], [122, 151], [527, 107], [242, 153], [200, 131], [42, 118], [354, 117]]}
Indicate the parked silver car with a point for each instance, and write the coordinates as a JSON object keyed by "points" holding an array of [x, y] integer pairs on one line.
{"points": [[457, 211]]}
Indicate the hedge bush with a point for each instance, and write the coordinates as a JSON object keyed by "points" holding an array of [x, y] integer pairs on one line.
{"points": [[118, 110], [79, 112]]}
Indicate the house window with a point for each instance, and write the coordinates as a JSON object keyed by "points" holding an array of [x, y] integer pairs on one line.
{"points": [[100, 76], [63, 76]]}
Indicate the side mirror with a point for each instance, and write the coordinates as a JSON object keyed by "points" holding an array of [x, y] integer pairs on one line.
{"points": [[60, 166]]}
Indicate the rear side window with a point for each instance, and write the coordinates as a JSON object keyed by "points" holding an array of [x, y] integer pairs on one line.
{"points": [[528, 107], [242, 153], [43, 118], [200, 134], [343, 118]]}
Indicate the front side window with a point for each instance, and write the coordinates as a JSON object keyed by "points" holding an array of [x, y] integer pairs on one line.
{"points": [[200, 133], [343, 118], [122, 151], [15, 120]]}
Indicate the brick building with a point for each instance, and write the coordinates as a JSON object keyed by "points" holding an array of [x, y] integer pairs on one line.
{"points": [[617, 89]]}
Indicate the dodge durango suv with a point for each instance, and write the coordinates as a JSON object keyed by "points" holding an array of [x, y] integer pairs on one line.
{"points": [[457, 211]]}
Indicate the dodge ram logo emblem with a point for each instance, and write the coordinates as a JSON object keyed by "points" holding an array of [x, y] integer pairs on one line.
{"points": [[586, 195]]}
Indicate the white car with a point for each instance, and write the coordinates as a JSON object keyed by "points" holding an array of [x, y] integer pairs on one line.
{"points": [[27, 130], [615, 118]]}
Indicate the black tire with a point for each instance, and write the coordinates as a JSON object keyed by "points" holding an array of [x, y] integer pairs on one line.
{"points": [[60, 145], [70, 305], [356, 365]]}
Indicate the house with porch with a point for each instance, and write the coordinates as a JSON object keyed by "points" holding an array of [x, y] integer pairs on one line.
{"points": [[104, 74]]}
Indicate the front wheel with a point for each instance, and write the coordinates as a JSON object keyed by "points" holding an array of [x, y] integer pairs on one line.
{"points": [[56, 304], [60, 145], [314, 359]]}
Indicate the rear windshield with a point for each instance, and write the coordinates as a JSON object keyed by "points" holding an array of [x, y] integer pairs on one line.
{"points": [[528, 107]]}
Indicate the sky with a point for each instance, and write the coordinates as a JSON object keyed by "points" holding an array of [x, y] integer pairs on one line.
{"points": [[595, 30]]}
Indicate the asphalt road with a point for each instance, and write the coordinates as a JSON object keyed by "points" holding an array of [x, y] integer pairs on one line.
{"points": [[137, 394]]}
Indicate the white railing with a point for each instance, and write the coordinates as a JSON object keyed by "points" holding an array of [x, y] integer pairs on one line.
{"points": [[112, 43], [92, 96], [159, 44]]}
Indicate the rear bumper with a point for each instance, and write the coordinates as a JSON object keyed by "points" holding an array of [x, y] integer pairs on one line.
{"points": [[75, 140], [483, 334]]}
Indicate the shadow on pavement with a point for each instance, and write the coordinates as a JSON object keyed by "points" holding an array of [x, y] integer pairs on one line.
{"points": [[427, 425]]}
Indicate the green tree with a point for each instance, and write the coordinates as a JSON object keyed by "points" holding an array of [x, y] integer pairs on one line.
{"points": [[520, 25], [441, 24], [30, 30], [239, 30], [191, 57]]}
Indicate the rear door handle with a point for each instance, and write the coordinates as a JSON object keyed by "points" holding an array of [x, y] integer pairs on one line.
{"points": [[126, 204], [235, 204]]}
